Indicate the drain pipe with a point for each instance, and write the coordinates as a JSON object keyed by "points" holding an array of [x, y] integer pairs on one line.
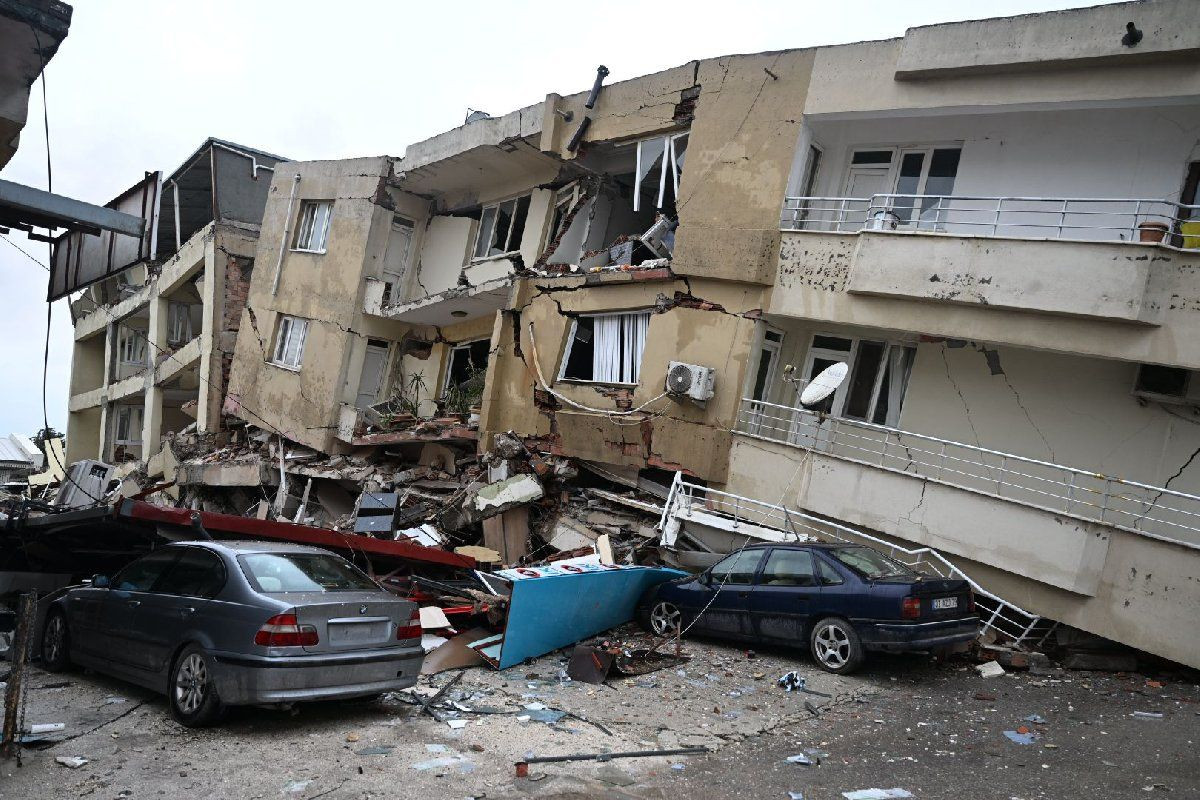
{"points": [[287, 231]]}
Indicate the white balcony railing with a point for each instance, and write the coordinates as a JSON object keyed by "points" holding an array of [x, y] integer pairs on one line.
{"points": [[1076, 218], [1152, 511], [995, 612]]}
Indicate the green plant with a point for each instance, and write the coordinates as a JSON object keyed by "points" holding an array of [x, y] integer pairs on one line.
{"points": [[406, 399], [461, 397]]}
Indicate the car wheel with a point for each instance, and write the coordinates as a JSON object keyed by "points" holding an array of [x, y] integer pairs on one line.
{"points": [[193, 690], [836, 646], [664, 618], [56, 643]]}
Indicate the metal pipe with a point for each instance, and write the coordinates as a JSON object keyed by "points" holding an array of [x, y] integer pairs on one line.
{"points": [[287, 229], [601, 74], [584, 124]]}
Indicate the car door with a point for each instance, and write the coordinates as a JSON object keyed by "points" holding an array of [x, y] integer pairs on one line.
{"points": [[123, 632], [723, 595], [84, 618], [786, 595], [180, 601]]}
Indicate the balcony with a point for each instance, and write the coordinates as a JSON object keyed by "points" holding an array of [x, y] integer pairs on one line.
{"points": [[1152, 511]]}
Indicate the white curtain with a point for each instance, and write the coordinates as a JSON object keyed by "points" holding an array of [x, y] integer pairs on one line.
{"points": [[617, 347], [633, 340]]}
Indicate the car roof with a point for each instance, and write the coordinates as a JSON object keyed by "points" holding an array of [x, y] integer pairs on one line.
{"points": [[239, 547], [820, 545]]}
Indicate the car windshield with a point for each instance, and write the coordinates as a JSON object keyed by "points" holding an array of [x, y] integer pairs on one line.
{"points": [[304, 572], [871, 564]]}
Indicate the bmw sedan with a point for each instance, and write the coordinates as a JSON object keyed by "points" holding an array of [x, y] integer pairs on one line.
{"points": [[213, 624], [837, 600]]}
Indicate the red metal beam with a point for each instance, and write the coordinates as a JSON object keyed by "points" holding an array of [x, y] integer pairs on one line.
{"points": [[291, 532]]}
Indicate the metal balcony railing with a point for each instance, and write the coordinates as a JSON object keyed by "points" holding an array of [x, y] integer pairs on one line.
{"points": [[996, 613], [1076, 218], [1153, 511]]}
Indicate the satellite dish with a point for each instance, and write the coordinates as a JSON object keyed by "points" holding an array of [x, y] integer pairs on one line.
{"points": [[825, 384]]}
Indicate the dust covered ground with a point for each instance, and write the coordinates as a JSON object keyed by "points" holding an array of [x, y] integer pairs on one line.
{"points": [[936, 731]]}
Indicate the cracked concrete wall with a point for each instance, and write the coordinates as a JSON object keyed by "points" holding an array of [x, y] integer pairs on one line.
{"points": [[713, 327], [325, 289], [1065, 409]]}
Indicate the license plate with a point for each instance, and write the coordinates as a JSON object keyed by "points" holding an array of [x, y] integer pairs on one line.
{"points": [[942, 603], [356, 633]]}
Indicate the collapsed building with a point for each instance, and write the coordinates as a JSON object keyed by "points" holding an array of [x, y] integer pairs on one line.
{"points": [[631, 286]]}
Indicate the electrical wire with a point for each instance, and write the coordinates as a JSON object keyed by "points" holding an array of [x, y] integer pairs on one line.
{"points": [[605, 411]]}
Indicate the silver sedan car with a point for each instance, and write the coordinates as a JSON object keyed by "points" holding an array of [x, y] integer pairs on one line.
{"points": [[213, 624]]}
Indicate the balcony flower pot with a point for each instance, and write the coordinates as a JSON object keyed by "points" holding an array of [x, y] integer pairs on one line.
{"points": [[1152, 232]]}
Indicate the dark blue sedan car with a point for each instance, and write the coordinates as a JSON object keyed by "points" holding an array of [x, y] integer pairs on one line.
{"points": [[839, 600]]}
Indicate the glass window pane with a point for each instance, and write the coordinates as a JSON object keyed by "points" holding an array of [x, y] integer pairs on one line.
{"points": [[788, 568], [870, 563], [943, 168], [738, 568], [909, 183], [518, 224], [304, 572], [141, 575], [197, 573], [486, 225], [827, 575], [862, 383], [832, 343], [760, 376], [872, 157]]}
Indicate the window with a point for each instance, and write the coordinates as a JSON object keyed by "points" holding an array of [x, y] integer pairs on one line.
{"points": [[878, 378], [565, 201], [312, 230], [501, 228], [789, 568], [289, 342], [659, 165], [827, 575], [927, 172], [606, 348], [128, 425], [738, 568], [304, 572], [466, 362], [131, 346], [197, 573], [179, 323], [1155, 380], [395, 261], [871, 564], [141, 575]]}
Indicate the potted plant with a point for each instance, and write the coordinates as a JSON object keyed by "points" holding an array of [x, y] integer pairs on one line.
{"points": [[1152, 232]]}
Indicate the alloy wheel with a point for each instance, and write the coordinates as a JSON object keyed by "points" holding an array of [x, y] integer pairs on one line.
{"points": [[664, 619], [52, 642], [191, 683], [832, 645]]}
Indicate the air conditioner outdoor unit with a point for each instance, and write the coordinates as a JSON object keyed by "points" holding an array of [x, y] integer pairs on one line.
{"points": [[691, 381]]}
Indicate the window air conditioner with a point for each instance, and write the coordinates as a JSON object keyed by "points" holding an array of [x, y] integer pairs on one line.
{"points": [[691, 381]]}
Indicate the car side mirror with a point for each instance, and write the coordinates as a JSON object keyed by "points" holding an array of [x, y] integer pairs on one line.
{"points": [[100, 582]]}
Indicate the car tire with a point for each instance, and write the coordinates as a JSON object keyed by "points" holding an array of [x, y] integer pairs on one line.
{"points": [[56, 642], [662, 618], [192, 689], [835, 646]]}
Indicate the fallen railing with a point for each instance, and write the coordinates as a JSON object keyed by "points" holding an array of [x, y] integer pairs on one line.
{"points": [[685, 499], [1152, 511]]}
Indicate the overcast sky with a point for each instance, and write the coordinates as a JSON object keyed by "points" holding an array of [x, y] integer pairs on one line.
{"points": [[137, 86]]}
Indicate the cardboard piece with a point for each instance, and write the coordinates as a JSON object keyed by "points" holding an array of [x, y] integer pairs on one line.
{"points": [[455, 654]]}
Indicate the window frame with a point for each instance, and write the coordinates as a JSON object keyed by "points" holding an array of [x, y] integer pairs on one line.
{"points": [[288, 321], [127, 410], [305, 205], [755, 574], [457, 347], [172, 554], [812, 563], [128, 339], [495, 208], [841, 397], [179, 316], [184, 551], [570, 344]]}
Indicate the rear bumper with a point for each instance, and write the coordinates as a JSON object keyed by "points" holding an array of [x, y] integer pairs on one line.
{"points": [[251, 680], [901, 636]]}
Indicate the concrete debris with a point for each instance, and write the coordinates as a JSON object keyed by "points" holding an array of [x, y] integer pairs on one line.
{"points": [[515, 491], [990, 670], [876, 794], [71, 762]]}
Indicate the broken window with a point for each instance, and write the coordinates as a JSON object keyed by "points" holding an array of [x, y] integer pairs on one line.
{"points": [[659, 164], [466, 364], [312, 230], [289, 342], [1155, 380], [606, 348], [179, 323], [131, 346], [501, 227], [565, 201]]}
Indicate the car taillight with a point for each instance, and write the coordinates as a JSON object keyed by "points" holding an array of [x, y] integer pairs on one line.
{"points": [[413, 629], [910, 608], [284, 630]]}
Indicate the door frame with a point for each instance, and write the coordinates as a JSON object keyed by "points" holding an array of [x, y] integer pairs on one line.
{"points": [[774, 350]]}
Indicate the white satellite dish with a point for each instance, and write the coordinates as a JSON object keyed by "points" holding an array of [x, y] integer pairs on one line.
{"points": [[825, 384]]}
